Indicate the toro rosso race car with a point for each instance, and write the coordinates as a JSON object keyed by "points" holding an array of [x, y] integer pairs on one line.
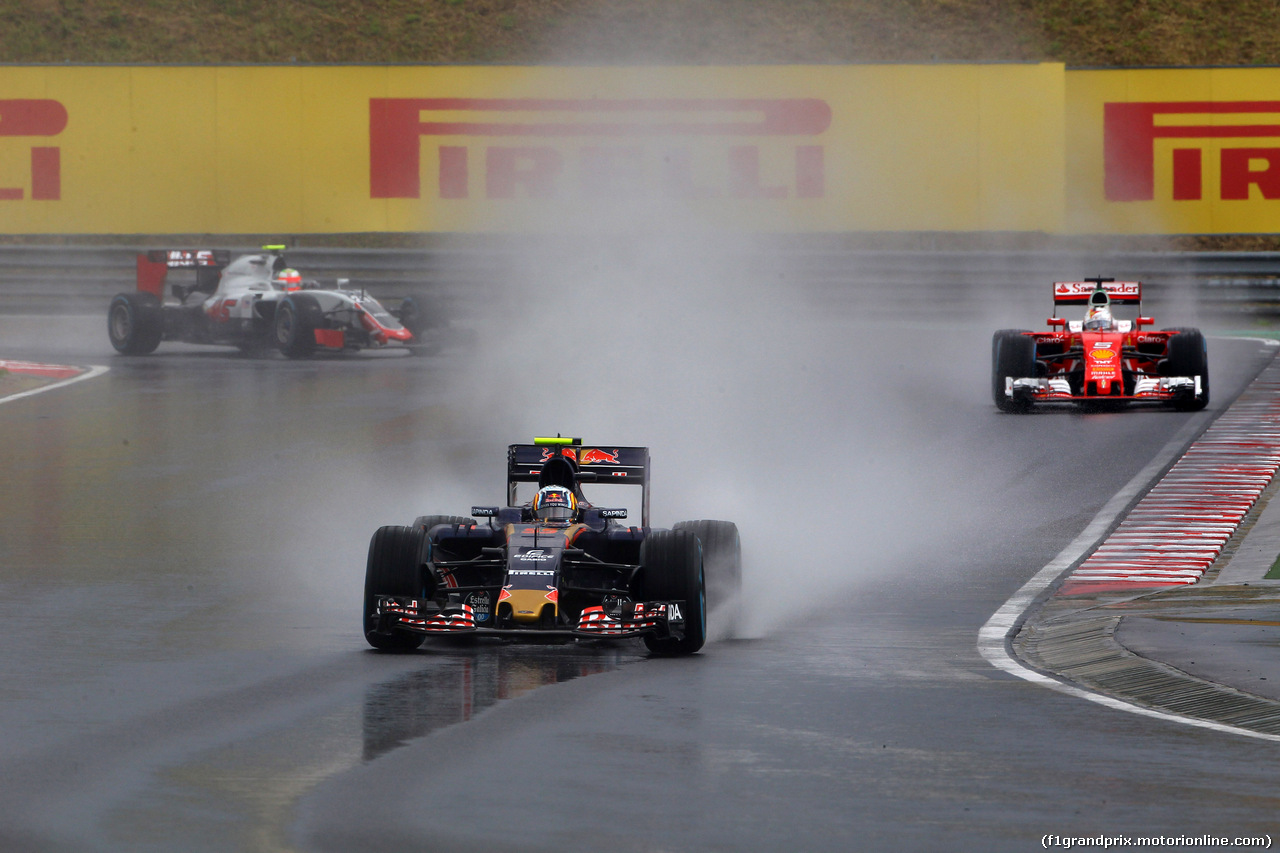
{"points": [[555, 567], [1099, 360], [257, 303]]}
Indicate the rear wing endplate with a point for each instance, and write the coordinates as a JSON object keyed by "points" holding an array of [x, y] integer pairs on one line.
{"points": [[155, 264], [628, 466], [189, 258]]}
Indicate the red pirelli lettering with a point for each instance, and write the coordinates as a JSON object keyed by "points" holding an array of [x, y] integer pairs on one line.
{"points": [[35, 117], [529, 172], [1187, 174], [454, 181], [1238, 172], [1130, 131], [46, 173], [32, 117], [396, 126]]}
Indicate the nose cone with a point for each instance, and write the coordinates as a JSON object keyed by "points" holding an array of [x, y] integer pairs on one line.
{"points": [[527, 605]]}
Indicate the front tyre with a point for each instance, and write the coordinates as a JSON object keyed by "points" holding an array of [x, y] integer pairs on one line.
{"points": [[671, 570], [394, 568], [294, 328], [135, 323], [420, 313], [424, 317], [1189, 356], [1013, 354]]}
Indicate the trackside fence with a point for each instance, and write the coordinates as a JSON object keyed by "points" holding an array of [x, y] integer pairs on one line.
{"points": [[36, 279]]}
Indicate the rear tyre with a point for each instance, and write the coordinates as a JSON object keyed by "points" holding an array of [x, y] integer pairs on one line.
{"points": [[721, 567], [1189, 356], [297, 318], [135, 323], [671, 570], [1013, 353], [394, 568]]}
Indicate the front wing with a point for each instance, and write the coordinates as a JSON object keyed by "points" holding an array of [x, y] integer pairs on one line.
{"points": [[1163, 389], [630, 619]]}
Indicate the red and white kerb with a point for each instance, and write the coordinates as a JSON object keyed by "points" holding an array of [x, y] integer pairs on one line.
{"points": [[56, 371], [1178, 529]]}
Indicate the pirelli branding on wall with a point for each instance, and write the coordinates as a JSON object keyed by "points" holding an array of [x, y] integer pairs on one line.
{"points": [[1131, 130], [339, 149], [1034, 147], [606, 155], [32, 122], [1173, 151]]}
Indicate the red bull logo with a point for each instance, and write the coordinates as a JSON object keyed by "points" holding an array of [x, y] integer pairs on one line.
{"points": [[595, 456], [549, 453]]}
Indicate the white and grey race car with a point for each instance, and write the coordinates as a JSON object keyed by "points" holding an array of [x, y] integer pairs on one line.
{"points": [[258, 303]]}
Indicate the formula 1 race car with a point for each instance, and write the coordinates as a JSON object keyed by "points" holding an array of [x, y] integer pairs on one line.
{"points": [[555, 567], [257, 303], [1099, 361]]}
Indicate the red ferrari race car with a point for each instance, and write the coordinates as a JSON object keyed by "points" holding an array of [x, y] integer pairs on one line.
{"points": [[555, 568], [258, 303], [1099, 361]]}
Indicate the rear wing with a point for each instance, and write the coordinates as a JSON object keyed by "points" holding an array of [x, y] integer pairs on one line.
{"points": [[602, 464], [1078, 292], [154, 266]]}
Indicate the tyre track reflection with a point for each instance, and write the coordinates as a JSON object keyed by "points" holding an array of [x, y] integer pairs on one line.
{"points": [[417, 704], [242, 793]]}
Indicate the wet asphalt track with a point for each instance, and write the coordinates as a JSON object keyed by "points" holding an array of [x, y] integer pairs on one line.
{"points": [[182, 554]]}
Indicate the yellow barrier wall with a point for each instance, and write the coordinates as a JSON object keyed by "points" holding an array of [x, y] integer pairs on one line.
{"points": [[1187, 151], [348, 149]]}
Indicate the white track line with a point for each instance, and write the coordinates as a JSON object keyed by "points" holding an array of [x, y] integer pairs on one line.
{"points": [[994, 637], [94, 370]]}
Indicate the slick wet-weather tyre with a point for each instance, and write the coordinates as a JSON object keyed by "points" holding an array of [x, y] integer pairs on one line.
{"points": [[135, 323], [1189, 356], [394, 568], [421, 313], [424, 317], [297, 318], [721, 567], [1013, 353], [671, 570]]}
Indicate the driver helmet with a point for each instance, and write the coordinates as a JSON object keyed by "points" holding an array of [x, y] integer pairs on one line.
{"points": [[555, 503], [1098, 319], [289, 279]]}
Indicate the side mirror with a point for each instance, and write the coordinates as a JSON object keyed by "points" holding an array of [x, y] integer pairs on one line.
{"points": [[1057, 321], [1144, 321]]}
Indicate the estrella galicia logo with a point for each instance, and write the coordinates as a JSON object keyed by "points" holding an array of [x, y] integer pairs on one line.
{"points": [[479, 602]]}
